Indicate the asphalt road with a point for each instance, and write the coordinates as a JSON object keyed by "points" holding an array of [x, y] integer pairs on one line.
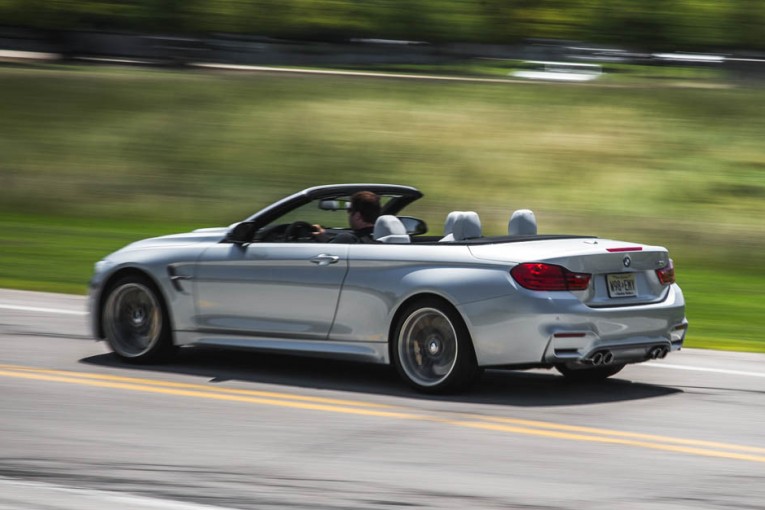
{"points": [[217, 429]]}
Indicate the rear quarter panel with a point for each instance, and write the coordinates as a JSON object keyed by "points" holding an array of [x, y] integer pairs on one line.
{"points": [[382, 277]]}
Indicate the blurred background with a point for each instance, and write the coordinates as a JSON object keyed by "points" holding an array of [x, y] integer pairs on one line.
{"points": [[641, 121]]}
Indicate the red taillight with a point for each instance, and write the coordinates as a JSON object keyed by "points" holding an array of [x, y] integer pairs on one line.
{"points": [[667, 274], [539, 276]]}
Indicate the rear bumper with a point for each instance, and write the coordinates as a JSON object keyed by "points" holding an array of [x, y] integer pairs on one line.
{"points": [[587, 348], [550, 328]]}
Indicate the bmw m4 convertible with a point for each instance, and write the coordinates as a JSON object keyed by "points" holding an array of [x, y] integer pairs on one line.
{"points": [[440, 308]]}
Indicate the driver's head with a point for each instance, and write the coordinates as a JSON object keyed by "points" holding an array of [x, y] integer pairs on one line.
{"points": [[364, 210]]}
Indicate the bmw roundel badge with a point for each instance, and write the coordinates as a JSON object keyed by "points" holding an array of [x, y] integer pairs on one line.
{"points": [[627, 261]]}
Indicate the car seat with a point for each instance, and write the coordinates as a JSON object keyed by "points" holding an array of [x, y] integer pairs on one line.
{"points": [[389, 229]]}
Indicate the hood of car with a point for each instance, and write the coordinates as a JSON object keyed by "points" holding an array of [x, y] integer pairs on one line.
{"points": [[202, 235]]}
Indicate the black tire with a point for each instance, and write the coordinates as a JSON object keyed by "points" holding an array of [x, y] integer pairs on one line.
{"points": [[591, 374], [432, 349], [135, 321]]}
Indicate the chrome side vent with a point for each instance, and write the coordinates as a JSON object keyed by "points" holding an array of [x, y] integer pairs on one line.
{"points": [[176, 278]]}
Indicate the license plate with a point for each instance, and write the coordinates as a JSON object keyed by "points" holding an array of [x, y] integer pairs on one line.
{"points": [[621, 285]]}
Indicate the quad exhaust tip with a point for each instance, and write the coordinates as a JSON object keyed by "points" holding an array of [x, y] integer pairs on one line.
{"points": [[602, 358], [606, 357], [658, 352]]}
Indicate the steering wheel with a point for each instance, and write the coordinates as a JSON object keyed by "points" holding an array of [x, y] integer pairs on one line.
{"points": [[299, 231]]}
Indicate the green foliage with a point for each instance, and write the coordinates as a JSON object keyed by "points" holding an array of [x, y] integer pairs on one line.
{"points": [[665, 24]]}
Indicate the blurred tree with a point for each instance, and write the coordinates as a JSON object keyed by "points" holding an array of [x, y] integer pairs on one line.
{"points": [[322, 19], [392, 19], [169, 16], [640, 24], [651, 24], [508, 21], [37, 13], [745, 21]]}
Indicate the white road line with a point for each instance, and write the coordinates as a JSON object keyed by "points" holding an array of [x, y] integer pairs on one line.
{"points": [[27, 55], [32, 495], [39, 309], [368, 74], [704, 369]]}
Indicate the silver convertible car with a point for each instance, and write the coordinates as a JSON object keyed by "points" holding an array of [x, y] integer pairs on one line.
{"points": [[439, 308]]}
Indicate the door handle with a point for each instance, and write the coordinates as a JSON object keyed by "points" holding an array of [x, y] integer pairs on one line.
{"points": [[325, 259]]}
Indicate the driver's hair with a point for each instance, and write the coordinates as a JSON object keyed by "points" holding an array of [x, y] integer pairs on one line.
{"points": [[367, 204]]}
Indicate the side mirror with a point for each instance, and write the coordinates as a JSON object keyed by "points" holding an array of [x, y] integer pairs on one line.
{"points": [[241, 233], [414, 226]]}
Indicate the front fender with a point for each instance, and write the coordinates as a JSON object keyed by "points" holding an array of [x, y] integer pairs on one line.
{"points": [[153, 264]]}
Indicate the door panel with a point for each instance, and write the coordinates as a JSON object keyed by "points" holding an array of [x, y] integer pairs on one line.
{"points": [[270, 289]]}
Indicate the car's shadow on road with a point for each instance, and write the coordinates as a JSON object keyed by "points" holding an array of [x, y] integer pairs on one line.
{"points": [[499, 387]]}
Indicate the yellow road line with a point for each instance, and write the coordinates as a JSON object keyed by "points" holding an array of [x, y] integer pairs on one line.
{"points": [[616, 433], [491, 423], [169, 384], [705, 452], [202, 393]]}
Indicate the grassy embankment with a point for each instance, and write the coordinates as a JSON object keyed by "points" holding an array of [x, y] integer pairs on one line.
{"points": [[95, 158]]}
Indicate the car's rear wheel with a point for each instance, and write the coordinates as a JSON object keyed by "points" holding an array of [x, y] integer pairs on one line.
{"points": [[135, 321], [588, 374], [432, 349]]}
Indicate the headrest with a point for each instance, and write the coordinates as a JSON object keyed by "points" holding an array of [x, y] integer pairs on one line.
{"points": [[467, 226], [449, 223], [521, 223], [389, 229], [461, 225]]}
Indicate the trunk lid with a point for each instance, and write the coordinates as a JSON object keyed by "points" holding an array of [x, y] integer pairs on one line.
{"points": [[622, 273]]}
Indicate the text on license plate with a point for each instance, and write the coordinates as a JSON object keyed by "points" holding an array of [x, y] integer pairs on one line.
{"points": [[621, 285]]}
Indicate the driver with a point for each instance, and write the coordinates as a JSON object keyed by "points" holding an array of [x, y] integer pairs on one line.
{"points": [[362, 214]]}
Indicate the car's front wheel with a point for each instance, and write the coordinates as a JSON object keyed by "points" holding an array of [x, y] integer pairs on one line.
{"points": [[432, 349], [135, 322]]}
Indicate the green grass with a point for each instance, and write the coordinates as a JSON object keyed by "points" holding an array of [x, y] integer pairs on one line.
{"points": [[725, 308], [94, 158], [57, 254]]}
